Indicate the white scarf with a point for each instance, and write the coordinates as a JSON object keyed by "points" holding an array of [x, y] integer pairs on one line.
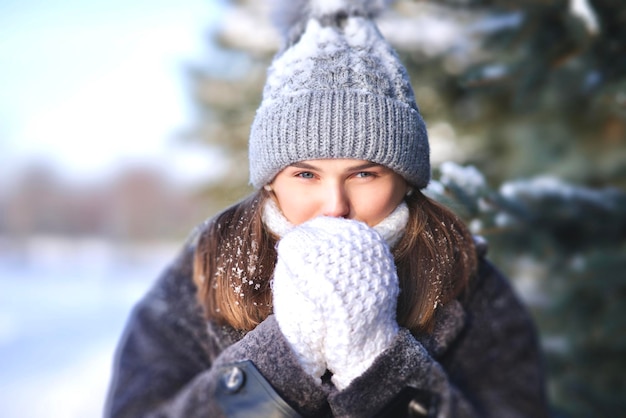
{"points": [[391, 228]]}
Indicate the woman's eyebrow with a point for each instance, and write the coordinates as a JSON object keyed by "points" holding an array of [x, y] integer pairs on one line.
{"points": [[301, 164], [363, 166]]}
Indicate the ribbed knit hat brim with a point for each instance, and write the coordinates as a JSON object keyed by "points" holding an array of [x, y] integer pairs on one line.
{"points": [[323, 124]]}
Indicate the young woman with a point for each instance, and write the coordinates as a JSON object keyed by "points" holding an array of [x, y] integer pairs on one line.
{"points": [[338, 288]]}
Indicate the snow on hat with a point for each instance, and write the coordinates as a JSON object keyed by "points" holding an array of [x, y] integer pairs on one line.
{"points": [[337, 89]]}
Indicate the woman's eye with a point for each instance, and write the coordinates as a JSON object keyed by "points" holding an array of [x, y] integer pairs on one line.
{"points": [[305, 175], [364, 174]]}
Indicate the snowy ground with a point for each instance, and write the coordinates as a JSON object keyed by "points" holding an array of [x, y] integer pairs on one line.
{"points": [[63, 306]]}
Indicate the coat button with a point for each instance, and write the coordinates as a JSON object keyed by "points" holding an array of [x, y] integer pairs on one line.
{"points": [[233, 379], [417, 409]]}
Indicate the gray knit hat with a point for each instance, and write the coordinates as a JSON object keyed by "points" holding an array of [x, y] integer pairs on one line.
{"points": [[338, 90]]}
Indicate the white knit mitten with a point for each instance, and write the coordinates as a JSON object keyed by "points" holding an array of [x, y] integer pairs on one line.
{"points": [[348, 274], [297, 309]]}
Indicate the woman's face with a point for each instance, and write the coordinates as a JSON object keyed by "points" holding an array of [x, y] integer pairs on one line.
{"points": [[346, 188]]}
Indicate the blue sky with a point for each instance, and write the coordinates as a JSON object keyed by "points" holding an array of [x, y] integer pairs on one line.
{"points": [[87, 86]]}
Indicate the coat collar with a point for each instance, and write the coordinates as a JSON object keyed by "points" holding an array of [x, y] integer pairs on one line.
{"points": [[449, 322]]}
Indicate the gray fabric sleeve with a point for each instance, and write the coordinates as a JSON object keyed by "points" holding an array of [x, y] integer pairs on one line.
{"points": [[168, 366], [405, 364], [492, 369], [272, 355]]}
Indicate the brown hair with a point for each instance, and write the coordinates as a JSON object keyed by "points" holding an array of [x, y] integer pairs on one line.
{"points": [[235, 258]]}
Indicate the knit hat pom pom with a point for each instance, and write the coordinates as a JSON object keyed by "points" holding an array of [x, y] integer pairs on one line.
{"points": [[364, 8], [291, 16]]}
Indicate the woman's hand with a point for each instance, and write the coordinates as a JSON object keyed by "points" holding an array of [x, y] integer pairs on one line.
{"points": [[336, 288]]}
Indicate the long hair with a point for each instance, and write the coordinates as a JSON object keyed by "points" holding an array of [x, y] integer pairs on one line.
{"points": [[235, 258]]}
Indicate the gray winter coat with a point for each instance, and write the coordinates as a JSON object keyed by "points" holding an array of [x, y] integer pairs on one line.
{"points": [[482, 360]]}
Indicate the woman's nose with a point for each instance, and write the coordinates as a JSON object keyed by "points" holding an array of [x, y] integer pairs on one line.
{"points": [[336, 203]]}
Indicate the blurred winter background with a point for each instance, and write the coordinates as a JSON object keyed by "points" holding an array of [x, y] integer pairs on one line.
{"points": [[124, 124], [97, 183]]}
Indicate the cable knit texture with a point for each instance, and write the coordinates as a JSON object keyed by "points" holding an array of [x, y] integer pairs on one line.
{"points": [[335, 294]]}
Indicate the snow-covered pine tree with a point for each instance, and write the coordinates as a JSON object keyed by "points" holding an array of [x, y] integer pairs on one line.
{"points": [[564, 247]]}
